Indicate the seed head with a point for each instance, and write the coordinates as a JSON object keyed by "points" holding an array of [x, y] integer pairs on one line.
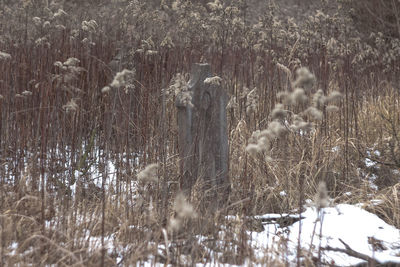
{"points": [[37, 21], [123, 78], [60, 27], [167, 42], [254, 136], [149, 174], [332, 108], [89, 26], [72, 61], [252, 149], [305, 79], [216, 5], [334, 96], [184, 99], [26, 93], [315, 113], [301, 125], [46, 24], [283, 96], [298, 96], [71, 106], [151, 52], [278, 113], [105, 89], [178, 83], [268, 133], [4, 56], [213, 80], [58, 64], [321, 198], [174, 224], [183, 208], [277, 128], [319, 99], [60, 13]]}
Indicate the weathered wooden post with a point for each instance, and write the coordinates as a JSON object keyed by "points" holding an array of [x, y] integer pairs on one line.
{"points": [[203, 140]]}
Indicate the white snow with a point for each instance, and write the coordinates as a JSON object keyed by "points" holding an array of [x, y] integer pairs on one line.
{"points": [[282, 193], [349, 223], [369, 162]]}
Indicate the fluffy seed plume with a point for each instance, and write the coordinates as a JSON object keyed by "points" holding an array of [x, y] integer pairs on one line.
{"points": [[58, 64], [4, 56], [253, 149], [278, 113], [105, 89], [183, 208], [178, 83], [300, 124], [46, 24], [89, 26], [71, 106], [283, 96], [122, 78], [60, 27], [184, 99], [305, 79], [315, 113], [60, 13], [72, 61], [37, 21], [334, 96], [321, 198], [254, 136], [26, 93], [261, 140], [298, 96], [332, 108], [216, 80], [267, 133], [276, 128], [149, 174], [174, 224], [216, 5], [319, 99], [167, 42]]}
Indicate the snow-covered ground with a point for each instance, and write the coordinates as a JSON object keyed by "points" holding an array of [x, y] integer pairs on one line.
{"points": [[342, 225], [345, 228]]}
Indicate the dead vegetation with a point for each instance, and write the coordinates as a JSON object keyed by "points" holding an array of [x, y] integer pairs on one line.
{"points": [[89, 168]]}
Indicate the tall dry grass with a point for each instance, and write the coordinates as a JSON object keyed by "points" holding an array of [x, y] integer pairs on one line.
{"points": [[64, 118]]}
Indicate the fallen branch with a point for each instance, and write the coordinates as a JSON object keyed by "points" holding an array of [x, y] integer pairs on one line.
{"points": [[351, 252]]}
